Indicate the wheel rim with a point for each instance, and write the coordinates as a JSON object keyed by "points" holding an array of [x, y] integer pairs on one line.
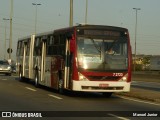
{"points": [[36, 80], [60, 83], [20, 76]]}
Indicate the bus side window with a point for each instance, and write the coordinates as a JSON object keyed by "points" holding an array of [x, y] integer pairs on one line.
{"points": [[21, 48], [38, 47], [62, 45], [50, 45], [28, 48], [18, 48]]}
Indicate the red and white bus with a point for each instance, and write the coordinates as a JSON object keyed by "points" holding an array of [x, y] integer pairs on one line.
{"points": [[89, 58]]}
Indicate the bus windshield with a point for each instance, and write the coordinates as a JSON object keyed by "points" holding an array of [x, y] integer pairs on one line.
{"points": [[102, 54]]}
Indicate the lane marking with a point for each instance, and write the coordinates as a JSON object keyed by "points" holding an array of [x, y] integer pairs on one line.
{"points": [[122, 118], [4, 79], [127, 98], [55, 96], [30, 89]]}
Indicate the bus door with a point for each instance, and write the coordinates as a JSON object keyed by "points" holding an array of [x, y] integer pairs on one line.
{"points": [[43, 59], [67, 65], [31, 74], [24, 59]]}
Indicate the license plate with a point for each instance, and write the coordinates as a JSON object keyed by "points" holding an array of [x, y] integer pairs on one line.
{"points": [[103, 85]]}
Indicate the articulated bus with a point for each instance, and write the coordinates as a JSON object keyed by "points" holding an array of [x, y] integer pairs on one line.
{"points": [[87, 58]]}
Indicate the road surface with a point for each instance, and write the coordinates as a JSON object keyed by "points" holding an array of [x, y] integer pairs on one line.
{"points": [[23, 96]]}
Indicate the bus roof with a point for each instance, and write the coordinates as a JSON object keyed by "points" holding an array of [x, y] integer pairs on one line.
{"points": [[87, 26], [37, 35], [99, 26], [91, 27]]}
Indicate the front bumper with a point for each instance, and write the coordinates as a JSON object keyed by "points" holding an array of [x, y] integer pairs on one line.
{"points": [[101, 86], [5, 71]]}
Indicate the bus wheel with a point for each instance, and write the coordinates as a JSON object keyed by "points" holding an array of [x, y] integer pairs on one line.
{"points": [[107, 94], [60, 86], [36, 79]]}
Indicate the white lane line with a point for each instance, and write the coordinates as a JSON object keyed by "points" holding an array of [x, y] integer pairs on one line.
{"points": [[127, 98], [30, 89], [55, 96], [122, 118], [3, 79]]}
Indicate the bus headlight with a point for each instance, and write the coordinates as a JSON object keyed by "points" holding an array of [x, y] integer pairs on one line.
{"points": [[82, 77], [124, 78]]}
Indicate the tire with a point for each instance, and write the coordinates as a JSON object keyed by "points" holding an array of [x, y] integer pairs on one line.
{"points": [[107, 94]]}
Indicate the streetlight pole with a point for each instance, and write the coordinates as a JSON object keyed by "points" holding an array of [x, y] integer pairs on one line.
{"points": [[10, 41], [35, 16], [136, 9], [71, 14], [86, 11], [5, 38]]}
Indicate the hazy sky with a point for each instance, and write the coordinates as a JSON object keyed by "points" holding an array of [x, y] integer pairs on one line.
{"points": [[53, 14]]}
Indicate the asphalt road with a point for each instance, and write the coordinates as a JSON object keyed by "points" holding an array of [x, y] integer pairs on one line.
{"points": [[23, 96]]}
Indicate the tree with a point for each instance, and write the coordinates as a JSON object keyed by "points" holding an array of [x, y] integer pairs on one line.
{"points": [[146, 62]]}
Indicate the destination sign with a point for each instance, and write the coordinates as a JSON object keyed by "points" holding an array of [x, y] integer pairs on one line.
{"points": [[103, 33]]}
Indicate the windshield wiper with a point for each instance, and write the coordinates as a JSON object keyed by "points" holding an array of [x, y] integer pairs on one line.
{"points": [[97, 47], [112, 45]]}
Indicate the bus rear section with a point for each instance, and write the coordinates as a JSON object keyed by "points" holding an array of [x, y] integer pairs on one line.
{"points": [[25, 57]]}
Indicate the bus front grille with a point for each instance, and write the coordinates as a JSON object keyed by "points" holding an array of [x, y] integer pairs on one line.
{"points": [[103, 78], [102, 88]]}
